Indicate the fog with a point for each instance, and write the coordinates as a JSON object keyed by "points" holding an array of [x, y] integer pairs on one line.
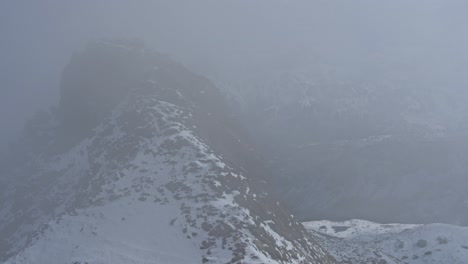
{"points": [[365, 39], [235, 122]]}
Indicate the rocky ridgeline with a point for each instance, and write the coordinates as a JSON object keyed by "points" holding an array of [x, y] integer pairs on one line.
{"points": [[138, 136]]}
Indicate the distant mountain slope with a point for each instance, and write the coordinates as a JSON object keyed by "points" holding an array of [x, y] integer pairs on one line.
{"points": [[141, 163], [359, 241], [387, 150]]}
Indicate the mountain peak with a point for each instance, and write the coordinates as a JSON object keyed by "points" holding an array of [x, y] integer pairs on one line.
{"points": [[155, 169]]}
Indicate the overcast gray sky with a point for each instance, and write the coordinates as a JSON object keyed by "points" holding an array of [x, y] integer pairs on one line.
{"points": [[38, 37]]}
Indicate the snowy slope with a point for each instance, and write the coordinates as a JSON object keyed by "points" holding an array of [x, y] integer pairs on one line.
{"points": [[359, 241], [119, 232], [144, 183], [379, 149]]}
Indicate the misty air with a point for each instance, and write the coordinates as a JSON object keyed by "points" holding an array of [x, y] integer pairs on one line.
{"points": [[246, 132]]}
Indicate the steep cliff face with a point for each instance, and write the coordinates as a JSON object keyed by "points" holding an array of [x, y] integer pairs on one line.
{"points": [[142, 163]]}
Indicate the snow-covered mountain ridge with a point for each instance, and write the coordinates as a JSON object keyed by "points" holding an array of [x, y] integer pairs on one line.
{"points": [[141, 176]]}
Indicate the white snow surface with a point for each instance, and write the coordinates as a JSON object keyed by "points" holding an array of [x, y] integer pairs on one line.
{"points": [[122, 232], [360, 241]]}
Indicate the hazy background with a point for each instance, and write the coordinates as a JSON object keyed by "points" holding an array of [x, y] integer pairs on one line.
{"points": [[350, 109], [427, 39]]}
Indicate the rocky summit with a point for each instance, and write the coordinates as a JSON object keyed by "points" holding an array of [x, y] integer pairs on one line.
{"points": [[142, 162]]}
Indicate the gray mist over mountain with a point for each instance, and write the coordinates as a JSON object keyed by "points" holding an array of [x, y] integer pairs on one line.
{"points": [[362, 39], [241, 130]]}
